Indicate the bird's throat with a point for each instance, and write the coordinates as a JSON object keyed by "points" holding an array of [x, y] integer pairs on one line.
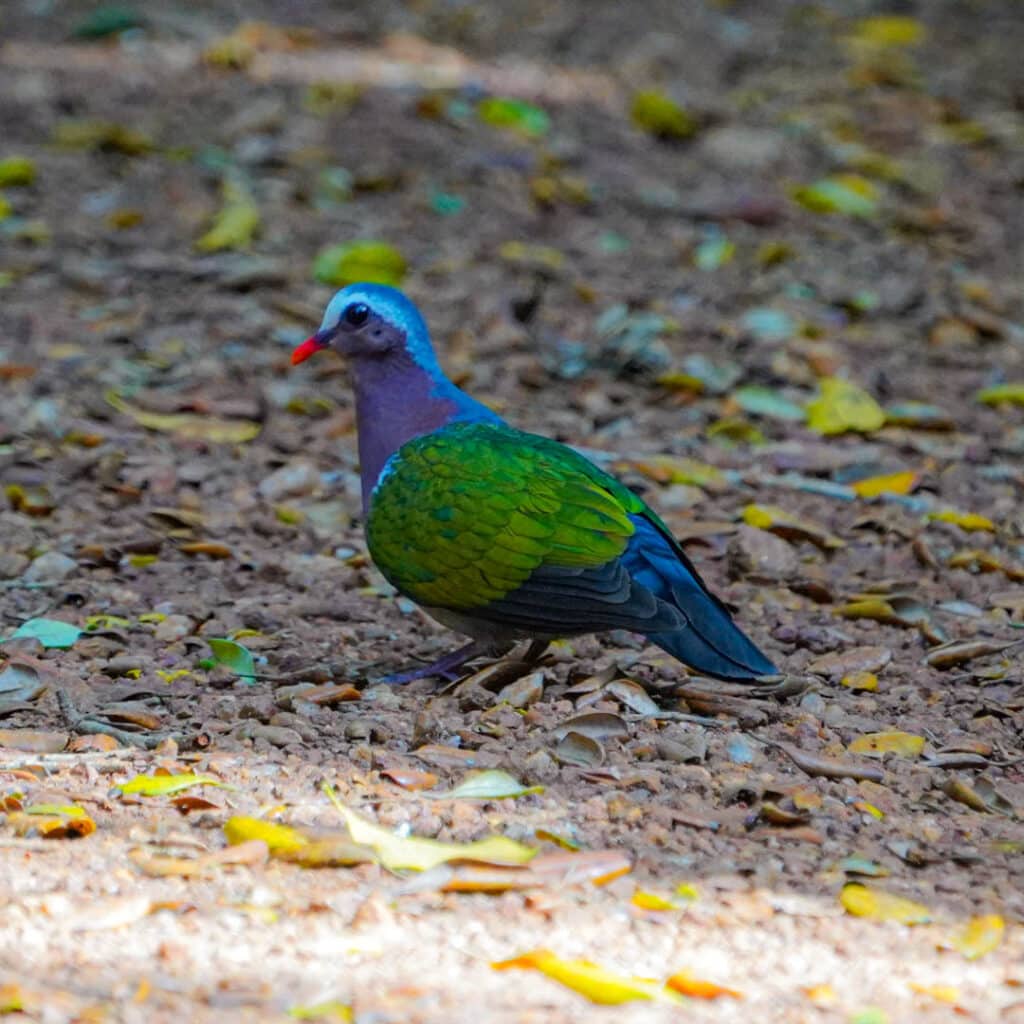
{"points": [[396, 400]]}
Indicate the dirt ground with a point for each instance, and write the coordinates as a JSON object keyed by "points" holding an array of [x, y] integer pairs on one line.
{"points": [[170, 479]]}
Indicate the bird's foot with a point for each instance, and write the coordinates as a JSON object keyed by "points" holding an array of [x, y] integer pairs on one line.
{"points": [[449, 668]]}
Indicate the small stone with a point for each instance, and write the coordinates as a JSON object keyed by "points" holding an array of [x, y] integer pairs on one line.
{"points": [[122, 665], [761, 556], [275, 735], [51, 567], [174, 627], [814, 704], [12, 563], [292, 480]]}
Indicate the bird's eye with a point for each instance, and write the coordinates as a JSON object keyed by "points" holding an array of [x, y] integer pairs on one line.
{"points": [[357, 314]]}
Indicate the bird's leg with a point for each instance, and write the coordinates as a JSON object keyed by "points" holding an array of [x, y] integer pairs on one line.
{"points": [[448, 668]]}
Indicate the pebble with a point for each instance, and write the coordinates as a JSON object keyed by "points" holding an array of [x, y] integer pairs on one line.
{"points": [[292, 480], [51, 567], [174, 627], [759, 555]]}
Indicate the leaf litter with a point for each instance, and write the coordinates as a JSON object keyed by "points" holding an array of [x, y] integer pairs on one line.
{"points": [[756, 381]]}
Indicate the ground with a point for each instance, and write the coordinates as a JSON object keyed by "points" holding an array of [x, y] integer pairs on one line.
{"points": [[672, 305]]}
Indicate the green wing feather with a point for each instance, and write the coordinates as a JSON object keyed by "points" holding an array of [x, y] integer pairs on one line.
{"points": [[463, 516]]}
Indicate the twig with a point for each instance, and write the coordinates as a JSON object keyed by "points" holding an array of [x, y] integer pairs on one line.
{"points": [[77, 722]]}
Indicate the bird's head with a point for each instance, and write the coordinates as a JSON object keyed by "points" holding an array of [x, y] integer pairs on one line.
{"points": [[370, 321]]}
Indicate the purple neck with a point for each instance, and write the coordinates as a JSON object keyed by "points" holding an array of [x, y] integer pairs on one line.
{"points": [[396, 400]]}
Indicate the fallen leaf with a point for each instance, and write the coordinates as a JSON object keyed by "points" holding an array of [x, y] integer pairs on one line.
{"points": [[970, 521], [49, 632], [659, 115], [866, 681], [162, 785], [17, 170], [333, 1011], [1002, 394], [236, 222], [889, 30], [518, 115], [52, 821], [234, 656], [889, 483], [418, 854], [280, 839], [861, 901], [214, 429], [877, 744], [943, 993], [849, 194], [590, 980], [576, 748], [33, 741], [490, 784], [960, 652], [980, 935], [828, 767], [790, 527], [410, 778], [687, 984], [843, 406], [375, 262]]}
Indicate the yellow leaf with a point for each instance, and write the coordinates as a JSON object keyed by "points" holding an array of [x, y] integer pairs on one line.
{"points": [[790, 527], [687, 891], [652, 901], [215, 429], [235, 224], [969, 521], [822, 995], [944, 993], [849, 194], [1011, 394], [889, 30], [280, 839], [843, 406], [861, 901], [979, 936], [860, 681], [419, 854], [686, 984], [878, 743], [333, 1010], [590, 980], [890, 483], [162, 785], [866, 808]]}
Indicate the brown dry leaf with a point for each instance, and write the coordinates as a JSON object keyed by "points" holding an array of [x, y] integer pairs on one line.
{"points": [[410, 778], [790, 527], [960, 652], [214, 429], [33, 741], [212, 549], [856, 659], [828, 767], [52, 821], [877, 744], [633, 696], [978, 560], [157, 866], [574, 748], [597, 725], [112, 913], [330, 694]]}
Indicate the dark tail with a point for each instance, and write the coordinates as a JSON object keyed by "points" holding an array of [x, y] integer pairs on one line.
{"points": [[710, 642]]}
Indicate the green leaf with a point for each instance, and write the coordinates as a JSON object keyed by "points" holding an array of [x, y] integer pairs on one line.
{"points": [[849, 194], [520, 116], [375, 262], [659, 115], [49, 632], [17, 170], [1011, 394], [235, 224], [234, 656], [492, 784], [766, 402], [713, 253]]}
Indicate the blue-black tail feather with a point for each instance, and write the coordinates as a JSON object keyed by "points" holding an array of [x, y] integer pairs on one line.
{"points": [[710, 641]]}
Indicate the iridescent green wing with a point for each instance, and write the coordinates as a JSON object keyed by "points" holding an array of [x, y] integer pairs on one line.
{"points": [[467, 515]]}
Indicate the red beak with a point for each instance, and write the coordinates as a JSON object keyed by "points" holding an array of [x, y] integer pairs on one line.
{"points": [[308, 347]]}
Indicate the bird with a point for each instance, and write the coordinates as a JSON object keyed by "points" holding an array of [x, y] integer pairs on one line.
{"points": [[500, 534]]}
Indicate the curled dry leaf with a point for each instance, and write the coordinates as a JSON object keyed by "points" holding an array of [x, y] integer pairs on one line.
{"points": [[575, 748], [633, 696], [33, 741], [790, 527], [959, 653], [490, 784], [595, 724], [410, 778], [828, 767], [856, 659]]}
